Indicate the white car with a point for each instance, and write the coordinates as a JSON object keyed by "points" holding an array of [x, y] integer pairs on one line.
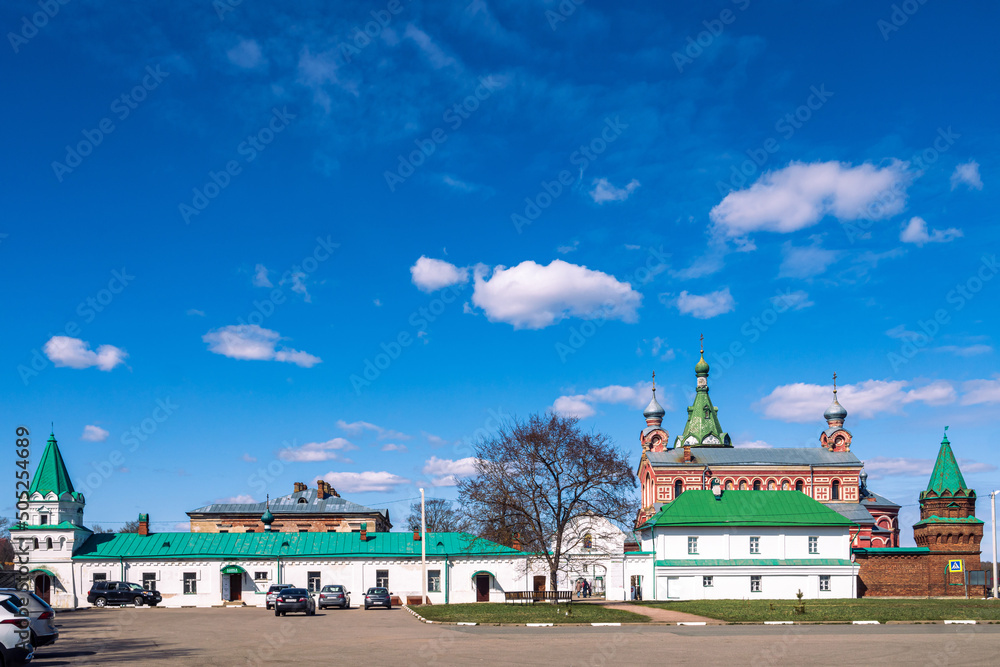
{"points": [[43, 629], [272, 593], [15, 646]]}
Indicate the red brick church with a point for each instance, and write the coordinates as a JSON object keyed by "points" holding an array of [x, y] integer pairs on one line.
{"points": [[831, 474]]}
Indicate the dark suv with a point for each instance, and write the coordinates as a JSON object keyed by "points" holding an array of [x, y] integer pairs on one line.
{"points": [[104, 593]]}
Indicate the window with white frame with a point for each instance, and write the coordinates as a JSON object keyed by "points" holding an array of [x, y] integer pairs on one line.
{"points": [[433, 581], [813, 545], [707, 582], [824, 582], [99, 576], [190, 583], [313, 582], [149, 581], [382, 578], [755, 545], [260, 576], [755, 583], [692, 545]]}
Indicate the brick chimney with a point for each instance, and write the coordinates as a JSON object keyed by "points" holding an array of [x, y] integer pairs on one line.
{"points": [[515, 542], [687, 454], [416, 534], [143, 524], [322, 490], [364, 531], [299, 486]]}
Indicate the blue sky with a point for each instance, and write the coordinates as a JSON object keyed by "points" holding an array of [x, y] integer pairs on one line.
{"points": [[247, 246]]}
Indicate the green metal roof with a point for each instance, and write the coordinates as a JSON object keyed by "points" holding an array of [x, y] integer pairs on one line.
{"points": [[753, 562], [946, 475], [62, 525], [746, 508], [941, 519], [51, 474], [703, 417], [890, 550], [270, 545]]}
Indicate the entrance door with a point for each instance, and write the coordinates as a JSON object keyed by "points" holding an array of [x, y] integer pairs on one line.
{"points": [[42, 586], [539, 583], [482, 588], [235, 587], [673, 588]]}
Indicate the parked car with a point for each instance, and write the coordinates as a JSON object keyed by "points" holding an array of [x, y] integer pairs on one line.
{"points": [[272, 593], [15, 647], [334, 595], [294, 599], [103, 593], [378, 597], [43, 629]]}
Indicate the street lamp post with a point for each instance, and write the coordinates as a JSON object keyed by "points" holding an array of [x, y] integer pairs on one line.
{"points": [[993, 507], [423, 550]]}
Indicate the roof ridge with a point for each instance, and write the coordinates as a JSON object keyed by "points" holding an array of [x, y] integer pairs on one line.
{"points": [[51, 475]]}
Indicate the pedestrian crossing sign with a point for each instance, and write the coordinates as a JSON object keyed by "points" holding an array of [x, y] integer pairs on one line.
{"points": [[955, 565]]}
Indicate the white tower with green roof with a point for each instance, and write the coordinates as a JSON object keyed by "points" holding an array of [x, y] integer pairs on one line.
{"points": [[54, 528]]}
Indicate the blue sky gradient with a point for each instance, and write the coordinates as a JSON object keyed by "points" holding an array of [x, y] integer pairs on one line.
{"points": [[234, 199]]}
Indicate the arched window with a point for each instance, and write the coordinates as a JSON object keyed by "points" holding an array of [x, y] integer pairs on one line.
{"points": [[302, 501], [800, 486], [729, 485], [35, 542], [756, 485], [678, 488], [835, 490], [743, 485], [48, 542], [648, 491], [588, 541]]}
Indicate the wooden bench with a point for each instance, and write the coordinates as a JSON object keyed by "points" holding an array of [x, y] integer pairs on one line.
{"points": [[537, 596]]}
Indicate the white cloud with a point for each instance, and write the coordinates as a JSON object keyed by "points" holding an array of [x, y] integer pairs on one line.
{"points": [[568, 248], [242, 499], [298, 282], [604, 191], [75, 353], [753, 444], [977, 392], [801, 194], [705, 306], [661, 351], [249, 459], [796, 300], [584, 405], [435, 440], [93, 433], [195, 311], [260, 278], [967, 173], [879, 467], [246, 54], [446, 472], [363, 482], [532, 296], [359, 427], [432, 274], [435, 55], [802, 402], [462, 186], [965, 350], [318, 451], [392, 447], [915, 231], [805, 261], [252, 342]]}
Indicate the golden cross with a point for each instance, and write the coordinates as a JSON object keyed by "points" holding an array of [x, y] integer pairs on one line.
{"points": [[654, 379], [835, 383], [702, 339]]}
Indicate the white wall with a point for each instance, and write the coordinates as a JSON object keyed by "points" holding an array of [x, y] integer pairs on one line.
{"points": [[734, 583], [734, 542]]}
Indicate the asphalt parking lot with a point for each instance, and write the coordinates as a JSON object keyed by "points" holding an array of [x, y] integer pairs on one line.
{"points": [[252, 636]]}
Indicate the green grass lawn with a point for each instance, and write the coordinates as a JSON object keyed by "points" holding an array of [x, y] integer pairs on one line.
{"points": [[484, 612], [865, 609]]}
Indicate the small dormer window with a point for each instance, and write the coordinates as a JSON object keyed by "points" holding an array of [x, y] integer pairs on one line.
{"points": [[302, 501]]}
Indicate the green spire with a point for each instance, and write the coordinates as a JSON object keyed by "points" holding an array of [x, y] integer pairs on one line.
{"points": [[703, 417], [51, 474], [946, 475]]}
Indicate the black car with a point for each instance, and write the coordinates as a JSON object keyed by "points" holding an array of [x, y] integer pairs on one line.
{"points": [[294, 599], [378, 597], [104, 593]]}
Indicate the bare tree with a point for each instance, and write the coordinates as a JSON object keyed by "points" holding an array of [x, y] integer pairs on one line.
{"points": [[130, 527], [98, 529], [6, 548], [442, 517], [535, 479]]}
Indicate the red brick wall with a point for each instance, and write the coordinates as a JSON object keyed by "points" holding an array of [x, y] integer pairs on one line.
{"points": [[918, 575]]}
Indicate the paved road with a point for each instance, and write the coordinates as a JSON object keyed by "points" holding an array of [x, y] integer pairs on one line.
{"points": [[250, 636]]}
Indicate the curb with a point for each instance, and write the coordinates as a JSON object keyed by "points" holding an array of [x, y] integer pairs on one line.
{"points": [[959, 622], [865, 623]]}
